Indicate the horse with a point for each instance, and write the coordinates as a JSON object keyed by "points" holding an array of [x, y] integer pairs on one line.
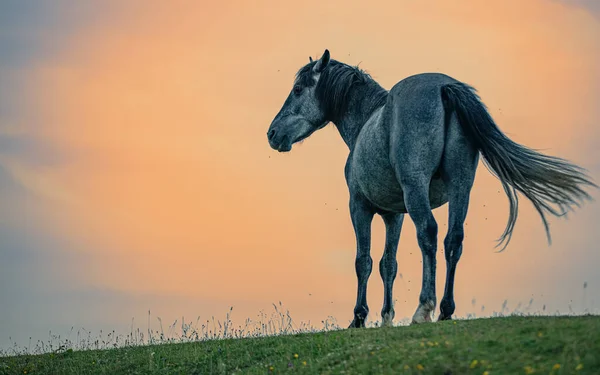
{"points": [[413, 149]]}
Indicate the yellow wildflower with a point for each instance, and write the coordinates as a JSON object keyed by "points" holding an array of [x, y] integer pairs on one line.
{"points": [[579, 367], [429, 343], [540, 334], [529, 370], [271, 368], [303, 363], [473, 363], [556, 366], [296, 355], [420, 367], [486, 373]]}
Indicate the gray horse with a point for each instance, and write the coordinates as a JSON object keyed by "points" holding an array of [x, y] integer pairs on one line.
{"points": [[412, 149]]}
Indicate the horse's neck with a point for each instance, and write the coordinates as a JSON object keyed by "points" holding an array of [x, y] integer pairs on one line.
{"points": [[360, 109], [349, 128]]}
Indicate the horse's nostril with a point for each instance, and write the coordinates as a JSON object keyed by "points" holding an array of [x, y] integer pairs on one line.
{"points": [[271, 134]]}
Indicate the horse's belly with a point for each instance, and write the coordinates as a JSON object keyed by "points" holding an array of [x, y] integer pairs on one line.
{"points": [[388, 195], [382, 190], [378, 183]]}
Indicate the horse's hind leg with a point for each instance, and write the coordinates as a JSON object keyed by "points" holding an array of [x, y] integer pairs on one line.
{"points": [[416, 148], [416, 198], [388, 266], [458, 171], [415, 168]]}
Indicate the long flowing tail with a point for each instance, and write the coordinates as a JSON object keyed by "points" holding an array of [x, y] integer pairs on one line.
{"points": [[552, 184]]}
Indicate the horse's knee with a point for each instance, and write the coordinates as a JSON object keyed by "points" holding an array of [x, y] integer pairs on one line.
{"points": [[453, 245], [388, 267], [363, 265], [454, 238], [427, 237]]}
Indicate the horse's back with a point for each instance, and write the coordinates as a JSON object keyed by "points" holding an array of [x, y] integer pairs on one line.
{"points": [[422, 83]]}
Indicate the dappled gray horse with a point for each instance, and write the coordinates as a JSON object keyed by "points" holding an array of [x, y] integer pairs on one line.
{"points": [[412, 149]]}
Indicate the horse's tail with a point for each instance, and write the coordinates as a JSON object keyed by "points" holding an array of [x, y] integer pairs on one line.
{"points": [[552, 184]]}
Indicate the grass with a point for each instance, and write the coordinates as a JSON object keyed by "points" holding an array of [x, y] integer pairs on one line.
{"points": [[503, 345]]}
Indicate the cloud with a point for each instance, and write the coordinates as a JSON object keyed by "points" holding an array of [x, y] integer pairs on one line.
{"points": [[30, 30], [593, 6]]}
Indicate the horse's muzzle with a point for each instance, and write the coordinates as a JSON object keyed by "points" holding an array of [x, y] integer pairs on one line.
{"points": [[278, 141]]}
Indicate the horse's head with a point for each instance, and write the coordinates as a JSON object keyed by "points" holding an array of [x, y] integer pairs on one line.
{"points": [[301, 114]]}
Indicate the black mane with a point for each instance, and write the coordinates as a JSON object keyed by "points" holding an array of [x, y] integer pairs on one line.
{"points": [[335, 84]]}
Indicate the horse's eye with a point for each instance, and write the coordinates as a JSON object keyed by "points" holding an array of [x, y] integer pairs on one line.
{"points": [[297, 90]]}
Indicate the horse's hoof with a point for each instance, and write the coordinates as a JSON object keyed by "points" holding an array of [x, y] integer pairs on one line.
{"points": [[387, 320], [420, 320], [444, 317], [422, 315], [357, 324]]}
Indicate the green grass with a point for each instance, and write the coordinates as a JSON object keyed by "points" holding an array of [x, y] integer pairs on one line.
{"points": [[507, 345]]}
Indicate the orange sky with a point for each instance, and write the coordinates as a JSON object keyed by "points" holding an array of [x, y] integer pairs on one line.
{"points": [[167, 188]]}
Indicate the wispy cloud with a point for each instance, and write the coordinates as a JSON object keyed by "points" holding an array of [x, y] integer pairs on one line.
{"points": [[593, 6]]}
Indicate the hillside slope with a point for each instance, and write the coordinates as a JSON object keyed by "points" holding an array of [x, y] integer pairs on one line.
{"points": [[510, 345]]}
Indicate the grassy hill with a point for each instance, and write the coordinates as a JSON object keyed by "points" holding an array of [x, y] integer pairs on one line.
{"points": [[508, 345]]}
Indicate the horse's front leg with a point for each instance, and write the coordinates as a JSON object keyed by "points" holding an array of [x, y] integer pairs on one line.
{"points": [[362, 216], [388, 266]]}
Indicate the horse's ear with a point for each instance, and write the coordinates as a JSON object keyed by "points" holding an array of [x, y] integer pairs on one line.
{"points": [[322, 63], [310, 58]]}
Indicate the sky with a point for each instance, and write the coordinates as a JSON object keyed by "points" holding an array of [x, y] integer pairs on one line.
{"points": [[135, 173]]}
